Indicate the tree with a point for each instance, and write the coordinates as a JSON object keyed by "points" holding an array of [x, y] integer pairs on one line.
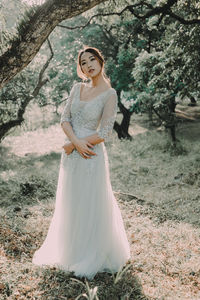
{"points": [[160, 77], [38, 23], [133, 27], [16, 96]]}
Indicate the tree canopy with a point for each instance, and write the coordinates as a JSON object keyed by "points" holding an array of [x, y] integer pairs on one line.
{"points": [[151, 50], [34, 29], [41, 20]]}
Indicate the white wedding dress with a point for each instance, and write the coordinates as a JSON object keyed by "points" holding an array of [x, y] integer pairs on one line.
{"points": [[86, 234]]}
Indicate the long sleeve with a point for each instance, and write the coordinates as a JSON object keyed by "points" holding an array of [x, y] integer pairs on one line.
{"points": [[66, 114], [108, 117]]}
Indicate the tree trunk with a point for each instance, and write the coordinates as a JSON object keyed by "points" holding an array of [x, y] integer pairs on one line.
{"points": [[5, 127], [173, 133], [36, 31], [193, 102], [172, 127], [122, 129], [169, 118]]}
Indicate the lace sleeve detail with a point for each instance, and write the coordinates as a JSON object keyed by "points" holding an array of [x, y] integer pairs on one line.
{"points": [[108, 117], [66, 114]]}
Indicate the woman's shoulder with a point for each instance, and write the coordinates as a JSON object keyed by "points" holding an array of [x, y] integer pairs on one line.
{"points": [[111, 97], [112, 93], [113, 90], [74, 88], [76, 85]]}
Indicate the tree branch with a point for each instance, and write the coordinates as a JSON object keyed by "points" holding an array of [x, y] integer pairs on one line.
{"points": [[33, 33], [154, 10], [42, 81], [47, 16], [159, 116], [5, 127], [182, 20], [97, 15], [158, 10]]}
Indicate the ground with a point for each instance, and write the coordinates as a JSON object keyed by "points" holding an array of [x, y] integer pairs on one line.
{"points": [[157, 189]]}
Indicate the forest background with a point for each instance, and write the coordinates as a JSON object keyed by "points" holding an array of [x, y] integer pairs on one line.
{"points": [[152, 58]]}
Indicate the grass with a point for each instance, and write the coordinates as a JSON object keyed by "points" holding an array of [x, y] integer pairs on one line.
{"points": [[91, 293], [158, 194]]}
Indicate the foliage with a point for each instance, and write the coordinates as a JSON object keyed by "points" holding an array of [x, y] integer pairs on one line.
{"points": [[16, 96], [185, 57], [152, 62], [13, 16], [130, 102], [155, 84], [62, 69], [167, 71]]}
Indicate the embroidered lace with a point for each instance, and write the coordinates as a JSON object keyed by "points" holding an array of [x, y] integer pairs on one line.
{"points": [[97, 115]]}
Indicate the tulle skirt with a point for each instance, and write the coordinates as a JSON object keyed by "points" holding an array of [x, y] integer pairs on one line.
{"points": [[86, 234]]}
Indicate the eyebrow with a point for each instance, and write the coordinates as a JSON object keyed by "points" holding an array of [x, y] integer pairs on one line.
{"points": [[89, 57]]}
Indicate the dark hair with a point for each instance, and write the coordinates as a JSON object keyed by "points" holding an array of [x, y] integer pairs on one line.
{"points": [[96, 52]]}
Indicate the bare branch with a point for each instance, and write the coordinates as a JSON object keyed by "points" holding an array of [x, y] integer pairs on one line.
{"points": [[97, 15], [158, 10], [160, 20], [42, 81], [182, 20], [5, 127], [156, 112]]}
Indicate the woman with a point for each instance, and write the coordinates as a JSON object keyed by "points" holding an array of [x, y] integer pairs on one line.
{"points": [[86, 234]]}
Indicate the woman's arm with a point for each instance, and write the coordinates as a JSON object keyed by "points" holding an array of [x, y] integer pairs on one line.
{"points": [[81, 145], [107, 121], [92, 140], [67, 128]]}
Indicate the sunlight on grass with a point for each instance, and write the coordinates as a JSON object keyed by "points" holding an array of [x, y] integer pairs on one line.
{"points": [[33, 2], [42, 141]]}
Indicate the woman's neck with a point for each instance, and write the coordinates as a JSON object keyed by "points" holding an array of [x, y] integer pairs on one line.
{"points": [[98, 81]]}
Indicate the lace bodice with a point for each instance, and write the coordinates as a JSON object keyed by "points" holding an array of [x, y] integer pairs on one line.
{"points": [[94, 116]]}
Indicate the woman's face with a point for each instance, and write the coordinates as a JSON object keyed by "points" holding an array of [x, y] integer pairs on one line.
{"points": [[90, 64]]}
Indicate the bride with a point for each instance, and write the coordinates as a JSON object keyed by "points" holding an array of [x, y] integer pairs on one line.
{"points": [[86, 234]]}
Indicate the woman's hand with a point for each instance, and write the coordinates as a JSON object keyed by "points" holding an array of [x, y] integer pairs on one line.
{"points": [[83, 147], [68, 147]]}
